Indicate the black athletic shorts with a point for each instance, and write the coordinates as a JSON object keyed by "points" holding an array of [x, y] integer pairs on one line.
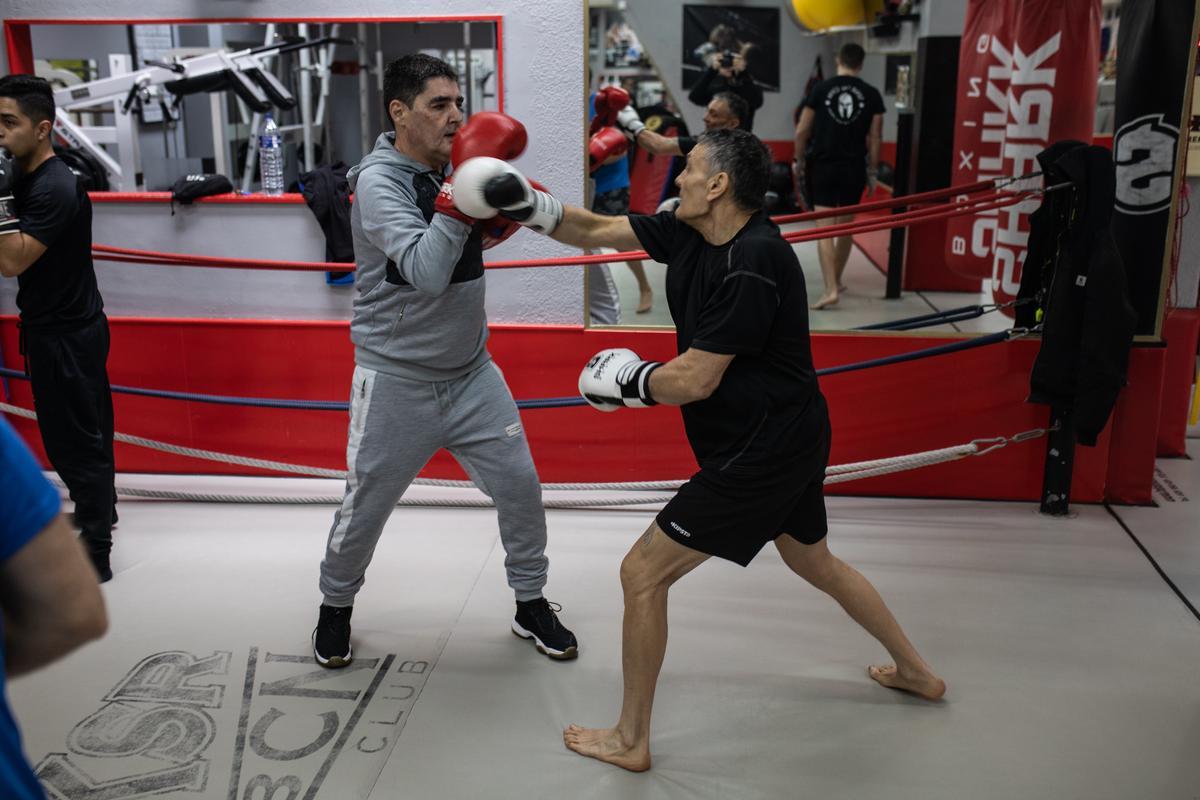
{"points": [[835, 183], [612, 204], [734, 516]]}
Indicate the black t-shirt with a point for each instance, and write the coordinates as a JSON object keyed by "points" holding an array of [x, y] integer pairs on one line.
{"points": [[746, 298], [844, 107], [686, 144], [59, 290]]}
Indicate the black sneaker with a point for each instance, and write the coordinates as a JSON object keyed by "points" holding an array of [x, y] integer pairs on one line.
{"points": [[99, 553], [536, 620], [103, 567], [331, 637]]}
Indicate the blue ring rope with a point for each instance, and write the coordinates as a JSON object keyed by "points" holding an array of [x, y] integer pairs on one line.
{"points": [[930, 319], [267, 402], [928, 352], [536, 403]]}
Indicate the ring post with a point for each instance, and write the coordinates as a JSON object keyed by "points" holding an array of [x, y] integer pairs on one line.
{"points": [[900, 180], [1060, 461]]}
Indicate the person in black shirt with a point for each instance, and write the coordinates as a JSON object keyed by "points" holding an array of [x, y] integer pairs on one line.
{"points": [[837, 154], [729, 72], [752, 410], [46, 244]]}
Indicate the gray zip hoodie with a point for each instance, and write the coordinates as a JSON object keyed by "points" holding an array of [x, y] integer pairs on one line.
{"points": [[419, 287]]}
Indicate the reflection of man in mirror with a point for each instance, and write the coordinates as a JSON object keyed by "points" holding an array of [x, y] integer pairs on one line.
{"points": [[752, 410], [611, 197], [728, 68], [837, 154], [725, 110], [46, 244]]}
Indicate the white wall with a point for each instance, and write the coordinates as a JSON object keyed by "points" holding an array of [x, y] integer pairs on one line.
{"points": [[540, 37], [942, 17]]}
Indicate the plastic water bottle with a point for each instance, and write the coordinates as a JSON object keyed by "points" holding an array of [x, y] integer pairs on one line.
{"points": [[270, 157]]}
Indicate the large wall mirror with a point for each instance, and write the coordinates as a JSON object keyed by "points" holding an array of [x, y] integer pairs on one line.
{"points": [[148, 103], [661, 51]]}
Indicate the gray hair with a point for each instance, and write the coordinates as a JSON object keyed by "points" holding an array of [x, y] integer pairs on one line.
{"points": [[736, 104], [741, 156]]}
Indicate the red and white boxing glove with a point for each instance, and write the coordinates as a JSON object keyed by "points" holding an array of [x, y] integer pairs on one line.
{"points": [[615, 378], [609, 100], [444, 204], [488, 133], [604, 145]]}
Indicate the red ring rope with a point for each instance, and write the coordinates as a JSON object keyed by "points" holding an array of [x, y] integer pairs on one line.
{"points": [[891, 202], [916, 216]]}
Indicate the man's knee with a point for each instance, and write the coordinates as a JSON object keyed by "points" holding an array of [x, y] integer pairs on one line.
{"points": [[812, 562], [639, 574]]}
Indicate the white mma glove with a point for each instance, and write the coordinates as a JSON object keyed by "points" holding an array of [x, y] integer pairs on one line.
{"points": [[629, 122], [483, 186], [670, 204], [615, 378]]}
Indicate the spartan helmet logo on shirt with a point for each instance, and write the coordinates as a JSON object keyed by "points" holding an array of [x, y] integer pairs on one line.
{"points": [[845, 104]]}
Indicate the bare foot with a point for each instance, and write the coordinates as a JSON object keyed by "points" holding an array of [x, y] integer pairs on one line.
{"points": [[841, 288], [605, 744], [825, 301], [645, 301], [926, 685]]}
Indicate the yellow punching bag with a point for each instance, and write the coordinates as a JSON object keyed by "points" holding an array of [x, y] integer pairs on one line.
{"points": [[817, 15]]}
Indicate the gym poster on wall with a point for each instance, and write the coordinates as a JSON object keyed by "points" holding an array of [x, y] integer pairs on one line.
{"points": [[727, 32]]}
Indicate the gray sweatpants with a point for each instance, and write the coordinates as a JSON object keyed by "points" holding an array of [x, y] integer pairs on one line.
{"points": [[396, 425]]}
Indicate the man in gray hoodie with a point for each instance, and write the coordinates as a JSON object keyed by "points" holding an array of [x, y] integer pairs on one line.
{"points": [[423, 378]]}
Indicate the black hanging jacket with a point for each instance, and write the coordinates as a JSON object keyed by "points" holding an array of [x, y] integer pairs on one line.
{"points": [[327, 193], [1075, 272]]}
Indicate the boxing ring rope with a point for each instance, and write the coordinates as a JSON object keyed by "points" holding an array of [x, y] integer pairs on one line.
{"points": [[944, 317], [840, 473], [917, 216], [834, 474], [540, 402]]}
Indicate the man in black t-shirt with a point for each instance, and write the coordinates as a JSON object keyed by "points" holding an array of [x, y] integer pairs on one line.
{"points": [[46, 244], [837, 154], [752, 409]]}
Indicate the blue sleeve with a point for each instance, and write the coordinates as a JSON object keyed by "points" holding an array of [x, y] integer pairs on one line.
{"points": [[27, 500]]}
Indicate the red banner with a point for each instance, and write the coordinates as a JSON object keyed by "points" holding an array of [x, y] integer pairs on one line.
{"points": [[1026, 77]]}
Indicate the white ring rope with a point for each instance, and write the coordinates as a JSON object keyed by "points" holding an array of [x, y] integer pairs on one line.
{"points": [[839, 473], [331, 500]]}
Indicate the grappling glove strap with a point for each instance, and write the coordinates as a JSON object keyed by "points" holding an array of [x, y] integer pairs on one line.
{"points": [[634, 380]]}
